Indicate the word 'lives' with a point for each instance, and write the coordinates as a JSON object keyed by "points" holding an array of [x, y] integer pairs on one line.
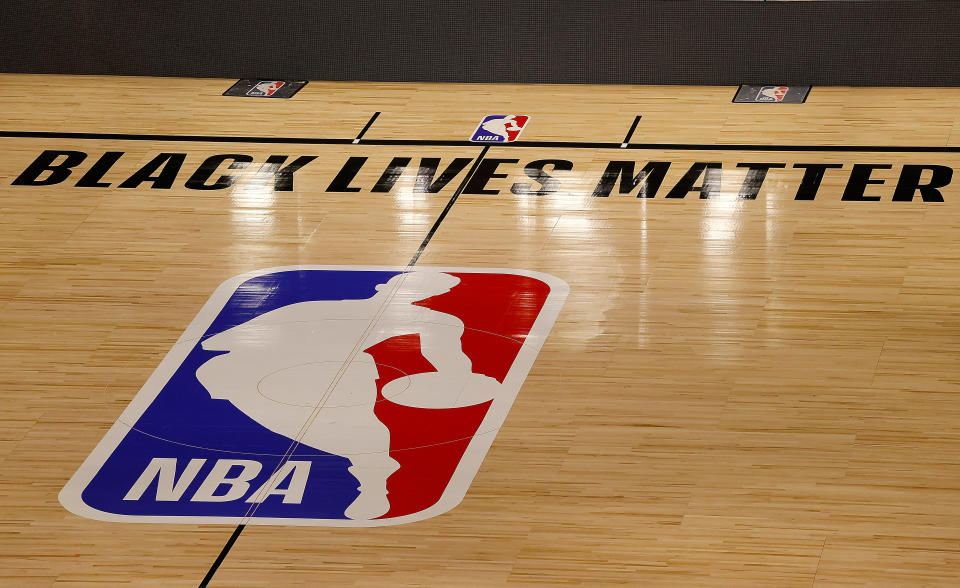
{"points": [[643, 179]]}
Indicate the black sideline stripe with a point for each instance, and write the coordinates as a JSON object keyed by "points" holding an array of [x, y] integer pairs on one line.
{"points": [[443, 143]]}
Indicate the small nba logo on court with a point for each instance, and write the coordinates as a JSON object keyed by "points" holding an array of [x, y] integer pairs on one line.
{"points": [[324, 395], [268, 88], [500, 128], [772, 93]]}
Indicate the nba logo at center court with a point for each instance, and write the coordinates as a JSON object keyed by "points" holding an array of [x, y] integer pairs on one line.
{"points": [[772, 93], [324, 395], [500, 128], [268, 88]]}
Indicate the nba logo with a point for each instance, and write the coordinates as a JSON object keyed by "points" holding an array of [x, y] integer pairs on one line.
{"points": [[268, 88], [500, 128], [772, 93], [324, 395]]}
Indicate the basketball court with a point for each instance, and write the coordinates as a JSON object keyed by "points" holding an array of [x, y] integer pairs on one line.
{"points": [[747, 377]]}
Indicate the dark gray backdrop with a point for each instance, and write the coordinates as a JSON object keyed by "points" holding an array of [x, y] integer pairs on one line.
{"points": [[832, 42]]}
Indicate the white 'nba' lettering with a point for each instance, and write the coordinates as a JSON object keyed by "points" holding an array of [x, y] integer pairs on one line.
{"points": [[300, 372], [228, 480]]}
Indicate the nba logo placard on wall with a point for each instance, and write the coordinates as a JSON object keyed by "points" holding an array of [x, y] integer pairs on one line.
{"points": [[772, 94], [268, 88], [500, 128], [250, 88], [324, 395]]}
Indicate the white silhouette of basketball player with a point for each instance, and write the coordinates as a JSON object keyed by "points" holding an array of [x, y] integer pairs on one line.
{"points": [[300, 371], [501, 126]]}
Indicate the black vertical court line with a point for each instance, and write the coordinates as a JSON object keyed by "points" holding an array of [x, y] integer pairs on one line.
{"points": [[366, 127], [633, 127], [443, 215], [416, 256], [223, 554], [236, 532]]}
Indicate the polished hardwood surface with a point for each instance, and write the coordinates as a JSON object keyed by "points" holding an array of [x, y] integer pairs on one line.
{"points": [[737, 392]]}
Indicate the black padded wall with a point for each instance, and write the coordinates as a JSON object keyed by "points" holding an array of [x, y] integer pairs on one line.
{"points": [[889, 42]]}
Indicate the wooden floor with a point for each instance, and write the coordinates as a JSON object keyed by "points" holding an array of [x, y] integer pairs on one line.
{"points": [[737, 392]]}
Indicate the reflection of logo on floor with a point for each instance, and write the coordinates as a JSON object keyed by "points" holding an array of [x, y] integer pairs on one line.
{"points": [[324, 395], [268, 88], [499, 128]]}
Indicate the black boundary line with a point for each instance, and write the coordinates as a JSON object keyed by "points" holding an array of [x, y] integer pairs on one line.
{"points": [[413, 261], [366, 127], [629, 135], [450, 203], [447, 143]]}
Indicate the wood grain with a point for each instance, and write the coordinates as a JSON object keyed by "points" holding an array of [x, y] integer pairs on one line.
{"points": [[737, 392]]}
